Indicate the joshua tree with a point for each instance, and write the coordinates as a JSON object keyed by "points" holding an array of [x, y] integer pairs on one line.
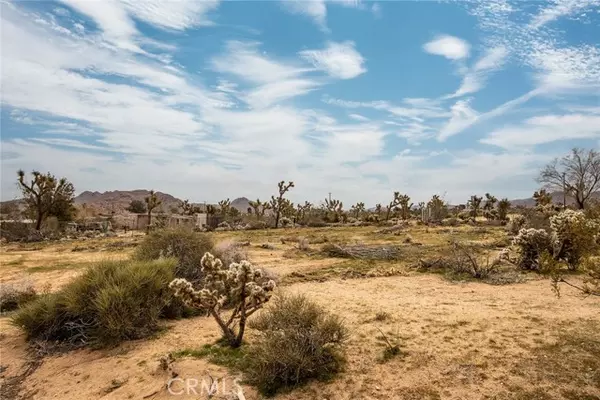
{"points": [[152, 202], [490, 202], [302, 210], [397, 200], [503, 207], [224, 207], [474, 205], [542, 198], [277, 203], [438, 208], [189, 208], [45, 195], [240, 285], [577, 174], [378, 209], [405, 206], [334, 207], [259, 208], [357, 209]]}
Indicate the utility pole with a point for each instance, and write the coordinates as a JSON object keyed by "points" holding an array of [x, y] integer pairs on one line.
{"points": [[330, 197]]}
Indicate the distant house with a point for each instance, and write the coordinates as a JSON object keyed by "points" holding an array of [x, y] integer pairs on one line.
{"points": [[173, 221]]}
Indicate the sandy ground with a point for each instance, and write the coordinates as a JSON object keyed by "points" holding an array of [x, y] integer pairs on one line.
{"points": [[464, 340]]}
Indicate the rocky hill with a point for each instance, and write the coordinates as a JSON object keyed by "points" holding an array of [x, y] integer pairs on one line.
{"points": [[119, 200]]}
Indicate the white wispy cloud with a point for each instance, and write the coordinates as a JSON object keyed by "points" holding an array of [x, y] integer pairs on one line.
{"points": [[448, 46], [475, 77], [273, 81], [339, 60], [560, 8], [546, 129], [462, 117]]}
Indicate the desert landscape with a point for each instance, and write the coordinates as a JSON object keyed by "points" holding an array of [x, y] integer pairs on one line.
{"points": [[299, 200], [509, 337]]}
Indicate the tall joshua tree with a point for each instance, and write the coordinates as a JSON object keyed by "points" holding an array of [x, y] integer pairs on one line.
{"points": [[357, 209], [278, 203], [335, 207], [474, 204], [259, 208], [152, 201], [395, 201], [45, 195], [503, 207]]}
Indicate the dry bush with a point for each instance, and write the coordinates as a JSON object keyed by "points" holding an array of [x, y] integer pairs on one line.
{"points": [[463, 260], [187, 247], [298, 341], [111, 302], [229, 251], [362, 252], [15, 295]]}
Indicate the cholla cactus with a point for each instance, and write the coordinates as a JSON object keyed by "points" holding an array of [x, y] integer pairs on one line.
{"points": [[517, 223], [285, 222], [531, 244], [574, 236], [241, 286]]}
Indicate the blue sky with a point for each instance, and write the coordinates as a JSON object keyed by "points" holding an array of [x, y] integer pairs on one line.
{"points": [[207, 100]]}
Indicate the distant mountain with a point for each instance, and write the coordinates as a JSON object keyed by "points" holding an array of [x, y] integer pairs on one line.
{"points": [[242, 204], [119, 200], [557, 198]]}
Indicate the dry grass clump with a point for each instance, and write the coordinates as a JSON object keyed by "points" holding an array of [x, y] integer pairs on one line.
{"points": [[15, 295], [463, 261], [298, 341], [111, 302], [187, 247], [362, 252]]}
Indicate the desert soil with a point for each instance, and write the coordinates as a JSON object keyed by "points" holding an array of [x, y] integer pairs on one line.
{"points": [[458, 339]]}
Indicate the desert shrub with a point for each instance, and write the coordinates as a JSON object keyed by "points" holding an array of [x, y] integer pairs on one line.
{"points": [[298, 341], [531, 244], [15, 295], [111, 302], [451, 222], [286, 222], [316, 223], [240, 286], [516, 223], [224, 225], [255, 225], [187, 247], [229, 251], [574, 236], [463, 261]]}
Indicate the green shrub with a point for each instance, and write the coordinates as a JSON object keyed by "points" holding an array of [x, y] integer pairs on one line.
{"points": [[187, 247], [298, 341], [111, 302], [13, 296]]}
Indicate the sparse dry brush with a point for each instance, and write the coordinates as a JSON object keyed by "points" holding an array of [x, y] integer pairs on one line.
{"points": [[362, 252], [298, 341], [15, 295], [240, 285]]}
